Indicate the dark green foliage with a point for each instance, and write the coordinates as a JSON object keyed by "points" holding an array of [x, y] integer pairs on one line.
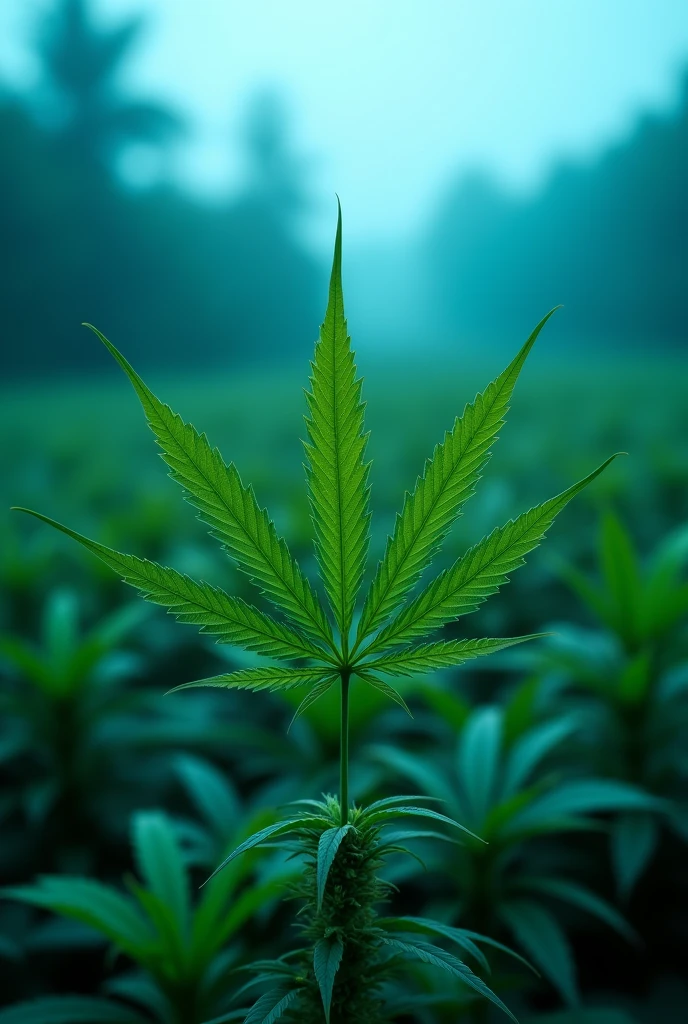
{"points": [[350, 953], [60, 701], [502, 791], [180, 950], [348, 956], [346, 914], [629, 680], [71, 1010]]}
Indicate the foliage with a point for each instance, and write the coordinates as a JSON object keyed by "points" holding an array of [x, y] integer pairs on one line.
{"points": [[350, 952], [180, 951], [629, 679], [341, 940], [58, 705], [503, 789]]}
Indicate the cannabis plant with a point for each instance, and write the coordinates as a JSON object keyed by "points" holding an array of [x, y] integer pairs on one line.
{"points": [[515, 796], [348, 952], [62, 703], [629, 676], [180, 951]]}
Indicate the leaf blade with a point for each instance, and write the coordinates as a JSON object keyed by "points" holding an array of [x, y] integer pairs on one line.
{"points": [[262, 677], [448, 481], [266, 1010], [229, 619], [327, 957], [230, 509], [328, 844], [438, 957], [442, 654], [464, 586], [160, 862], [337, 473]]}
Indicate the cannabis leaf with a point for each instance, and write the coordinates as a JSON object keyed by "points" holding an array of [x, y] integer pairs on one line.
{"points": [[337, 473], [448, 481], [230, 619], [339, 493], [464, 586], [264, 677], [334, 835], [230, 509], [443, 654]]}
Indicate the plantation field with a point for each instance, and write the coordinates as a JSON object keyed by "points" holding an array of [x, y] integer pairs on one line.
{"points": [[567, 754]]}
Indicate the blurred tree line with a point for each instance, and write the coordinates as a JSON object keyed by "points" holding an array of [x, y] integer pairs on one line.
{"points": [[186, 281], [179, 279], [607, 239]]}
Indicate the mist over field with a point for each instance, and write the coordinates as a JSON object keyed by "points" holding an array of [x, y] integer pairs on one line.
{"points": [[476, 195]]}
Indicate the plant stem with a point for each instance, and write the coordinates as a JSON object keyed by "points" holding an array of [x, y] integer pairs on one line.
{"points": [[344, 750]]}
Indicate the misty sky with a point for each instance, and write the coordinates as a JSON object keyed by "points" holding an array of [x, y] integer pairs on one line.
{"points": [[391, 97]]}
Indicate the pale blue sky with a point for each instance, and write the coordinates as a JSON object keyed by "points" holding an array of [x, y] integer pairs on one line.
{"points": [[393, 97]]}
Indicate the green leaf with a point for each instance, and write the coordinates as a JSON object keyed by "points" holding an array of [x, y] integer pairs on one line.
{"points": [[622, 577], [250, 903], [328, 844], [665, 594], [394, 838], [466, 934], [559, 807], [160, 863], [448, 481], [337, 473], [213, 797], [478, 759], [327, 957], [94, 904], [270, 1007], [427, 926], [634, 840], [171, 943], [392, 801], [443, 654], [539, 933], [437, 957], [520, 708], [142, 990], [315, 693], [530, 750], [386, 688], [584, 899], [230, 510], [452, 709], [279, 829], [269, 677], [71, 1010], [229, 619], [413, 812], [465, 585]]}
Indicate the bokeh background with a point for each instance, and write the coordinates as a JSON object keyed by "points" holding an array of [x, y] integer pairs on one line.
{"points": [[168, 173]]}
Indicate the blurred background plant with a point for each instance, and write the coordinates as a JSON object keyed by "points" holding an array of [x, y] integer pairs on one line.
{"points": [[167, 174]]}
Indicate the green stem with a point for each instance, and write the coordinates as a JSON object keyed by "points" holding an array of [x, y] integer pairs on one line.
{"points": [[344, 749]]}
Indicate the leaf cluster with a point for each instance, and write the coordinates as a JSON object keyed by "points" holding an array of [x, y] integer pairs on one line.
{"points": [[183, 953], [350, 953], [322, 638], [513, 794]]}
